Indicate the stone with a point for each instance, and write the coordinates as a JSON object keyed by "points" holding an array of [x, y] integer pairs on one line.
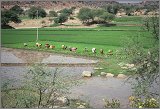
{"points": [[103, 73], [98, 68], [124, 67], [109, 75], [130, 65], [121, 76], [61, 101], [86, 73], [81, 106]]}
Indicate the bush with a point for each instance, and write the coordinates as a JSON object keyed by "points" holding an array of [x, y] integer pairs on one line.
{"points": [[114, 103], [66, 11], [32, 12], [60, 19], [41, 87], [136, 102], [7, 16], [107, 16], [72, 18], [52, 14], [17, 9], [86, 14]]}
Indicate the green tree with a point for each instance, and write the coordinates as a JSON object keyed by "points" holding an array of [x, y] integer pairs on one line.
{"points": [[53, 14], [107, 16], [17, 9], [41, 87], [7, 16], [32, 12], [152, 25], [61, 18], [66, 11], [112, 8], [85, 15], [146, 61], [98, 12]]}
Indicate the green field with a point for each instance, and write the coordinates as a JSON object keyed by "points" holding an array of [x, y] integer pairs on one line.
{"points": [[101, 37]]}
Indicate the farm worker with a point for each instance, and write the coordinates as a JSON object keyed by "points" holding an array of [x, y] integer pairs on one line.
{"points": [[110, 52], [63, 46], [93, 50], [37, 44], [69, 48], [25, 44], [73, 49], [101, 51], [85, 49], [52, 46], [47, 45]]}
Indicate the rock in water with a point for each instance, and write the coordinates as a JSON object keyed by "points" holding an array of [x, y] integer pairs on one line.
{"points": [[60, 101], [109, 75], [86, 73], [81, 106], [122, 76], [103, 73]]}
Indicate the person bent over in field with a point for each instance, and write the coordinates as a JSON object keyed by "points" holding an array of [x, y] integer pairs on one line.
{"points": [[93, 50], [110, 52], [64, 47], [52, 46], [73, 49], [47, 45], [101, 51], [38, 45], [85, 49], [25, 44]]}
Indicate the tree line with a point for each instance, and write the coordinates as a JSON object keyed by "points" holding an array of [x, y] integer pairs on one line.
{"points": [[103, 14]]}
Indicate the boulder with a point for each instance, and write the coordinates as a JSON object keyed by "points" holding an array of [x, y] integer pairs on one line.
{"points": [[109, 75], [81, 106], [96, 68], [130, 65], [60, 101], [124, 67], [86, 73], [121, 76], [103, 73]]}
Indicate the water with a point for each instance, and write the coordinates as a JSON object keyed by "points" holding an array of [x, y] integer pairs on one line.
{"points": [[96, 89], [93, 89], [24, 56]]}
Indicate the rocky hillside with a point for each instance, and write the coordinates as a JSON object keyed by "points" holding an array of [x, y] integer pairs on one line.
{"points": [[56, 5]]}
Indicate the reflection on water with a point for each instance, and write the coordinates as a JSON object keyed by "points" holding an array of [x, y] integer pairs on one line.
{"points": [[26, 56], [97, 88], [94, 89]]}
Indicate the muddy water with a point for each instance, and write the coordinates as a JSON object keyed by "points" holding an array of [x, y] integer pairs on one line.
{"points": [[23, 56], [93, 89], [98, 88]]}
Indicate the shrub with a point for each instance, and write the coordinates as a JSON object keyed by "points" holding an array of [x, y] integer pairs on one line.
{"points": [[52, 14], [114, 103], [17, 9], [32, 12], [60, 19], [66, 11], [85, 14], [7, 16], [136, 102]]}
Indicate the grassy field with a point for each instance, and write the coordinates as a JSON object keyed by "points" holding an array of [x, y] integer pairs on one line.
{"points": [[107, 38]]}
